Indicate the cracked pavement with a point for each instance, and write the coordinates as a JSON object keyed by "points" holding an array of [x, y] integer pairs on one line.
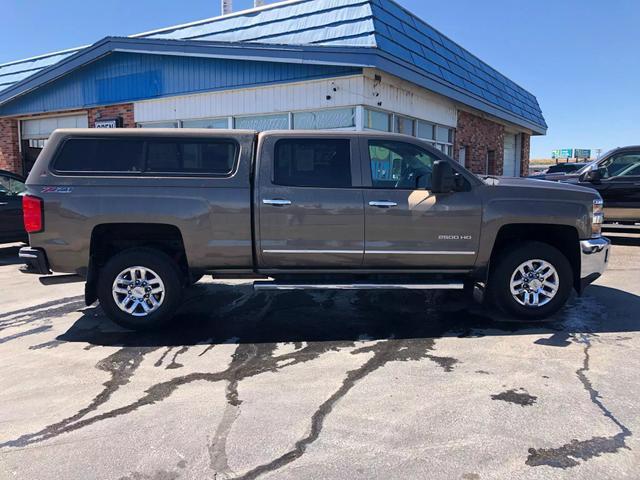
{"points": [[325, 385]]}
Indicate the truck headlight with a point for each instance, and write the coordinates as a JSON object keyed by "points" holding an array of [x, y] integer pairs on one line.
{"points": [[597, 217]]}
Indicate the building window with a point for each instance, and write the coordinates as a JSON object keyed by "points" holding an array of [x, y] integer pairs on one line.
{"points": [[438, 136], [325, 119], [376, 120], [206, 123], [37, 142], [158, 125], [323, 163], [444, 134], [262, 123], [403, 125], [425, 130]]}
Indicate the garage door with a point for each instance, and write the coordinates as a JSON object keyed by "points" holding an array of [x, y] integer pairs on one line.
{"points": [[41, 128], [511, 161]]}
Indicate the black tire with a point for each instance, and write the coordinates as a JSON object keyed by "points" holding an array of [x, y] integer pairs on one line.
{"points": [[500, 279], [154, 260]]}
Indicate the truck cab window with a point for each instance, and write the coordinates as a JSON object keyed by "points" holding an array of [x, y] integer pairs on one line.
{"points": [[399, 165], [625, 164], [312, 163]]}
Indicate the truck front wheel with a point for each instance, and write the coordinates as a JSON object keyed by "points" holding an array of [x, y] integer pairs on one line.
{"points": [[533, 281], [140, 288]]}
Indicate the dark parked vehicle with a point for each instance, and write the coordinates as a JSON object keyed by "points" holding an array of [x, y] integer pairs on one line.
{"points": [[616, 176], [142, 214], [566, 167], [11, 225], [556, 172]]}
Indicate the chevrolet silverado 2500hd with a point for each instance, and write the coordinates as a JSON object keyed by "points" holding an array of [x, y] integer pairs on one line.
{"points": [[143, 214]]}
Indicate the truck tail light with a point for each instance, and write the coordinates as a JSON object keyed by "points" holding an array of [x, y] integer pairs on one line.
{"points": [[33, 212]]}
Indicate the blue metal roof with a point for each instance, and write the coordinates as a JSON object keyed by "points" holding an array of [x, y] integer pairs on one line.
{"points": [[121, 77], [404, 45]]}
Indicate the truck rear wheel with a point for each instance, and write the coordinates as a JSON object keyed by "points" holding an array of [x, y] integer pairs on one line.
{"points": [[140, 288], [532, 281]]}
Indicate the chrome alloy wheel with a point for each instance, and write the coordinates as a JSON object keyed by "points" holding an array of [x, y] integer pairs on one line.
{"points": [[138, 291], [534, 283]]}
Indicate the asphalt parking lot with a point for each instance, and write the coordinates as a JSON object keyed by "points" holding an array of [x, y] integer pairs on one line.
{"points": [[320, 385]]}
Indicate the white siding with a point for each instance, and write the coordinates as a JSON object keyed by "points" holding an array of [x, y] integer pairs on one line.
{"points": [[393, 94], [270, 99], [400, 96]]}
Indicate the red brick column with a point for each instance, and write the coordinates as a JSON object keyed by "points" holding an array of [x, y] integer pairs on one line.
{"points": [[525, 154], [124, 110], [480, 136], [9, 149]]}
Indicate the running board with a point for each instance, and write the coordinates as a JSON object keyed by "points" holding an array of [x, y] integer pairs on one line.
{"points": [[358, 286]]}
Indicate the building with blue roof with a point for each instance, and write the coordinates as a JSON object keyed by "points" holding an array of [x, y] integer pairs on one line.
{"points": [[300, 64]]}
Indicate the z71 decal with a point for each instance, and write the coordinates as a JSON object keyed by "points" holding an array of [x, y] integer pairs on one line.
{"points": [[56, 190]]}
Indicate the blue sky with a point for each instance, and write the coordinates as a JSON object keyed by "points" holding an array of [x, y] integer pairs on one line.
{"points": [[579, 57]]}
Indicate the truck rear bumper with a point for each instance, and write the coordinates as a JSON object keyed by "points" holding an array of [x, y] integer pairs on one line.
{"points": [[35, 261], [594, 257]]}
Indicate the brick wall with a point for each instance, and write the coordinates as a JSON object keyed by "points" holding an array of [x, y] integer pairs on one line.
{"points": [[124, 110], [10, 158], [9, 152], [524, 155], [480, 136]]}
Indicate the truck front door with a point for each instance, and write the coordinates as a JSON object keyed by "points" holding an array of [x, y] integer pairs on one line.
{"points": [[310, 215], [406, 225]]}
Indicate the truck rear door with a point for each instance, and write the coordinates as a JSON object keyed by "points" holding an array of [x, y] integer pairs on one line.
{"points": [[309, 213]]}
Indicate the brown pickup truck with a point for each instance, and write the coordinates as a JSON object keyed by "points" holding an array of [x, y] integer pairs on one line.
{"points": [[142, 214]]}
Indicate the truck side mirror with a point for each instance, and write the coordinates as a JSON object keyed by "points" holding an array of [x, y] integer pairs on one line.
{"points": [[442, 177], [592, 176]]}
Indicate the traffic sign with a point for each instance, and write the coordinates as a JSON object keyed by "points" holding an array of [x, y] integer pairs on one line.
{"points": [[581, 153], [562, 153]]}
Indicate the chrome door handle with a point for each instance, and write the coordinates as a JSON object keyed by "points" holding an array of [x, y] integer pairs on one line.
{"points": [[4, 203], [276, 202], [382, 203]]}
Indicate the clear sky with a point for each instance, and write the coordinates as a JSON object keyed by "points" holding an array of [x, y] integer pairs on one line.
{"points": [[581, 58]]}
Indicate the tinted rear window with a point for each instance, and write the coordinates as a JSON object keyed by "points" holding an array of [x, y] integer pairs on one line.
{"points": [[171, 156], [215, 158], [312, 163], [100, 155]]}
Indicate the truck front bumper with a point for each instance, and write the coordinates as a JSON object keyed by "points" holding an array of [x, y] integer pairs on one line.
{"points": [[594, 257], [35, 261]]}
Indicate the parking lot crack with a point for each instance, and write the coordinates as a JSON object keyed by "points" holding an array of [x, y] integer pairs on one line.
{"points": [[567, 455], [42, 312], [218, 446], [121, 365], [383, 352]]}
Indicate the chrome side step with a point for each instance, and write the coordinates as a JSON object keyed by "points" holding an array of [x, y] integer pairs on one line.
{"points": [[444, 285]]}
